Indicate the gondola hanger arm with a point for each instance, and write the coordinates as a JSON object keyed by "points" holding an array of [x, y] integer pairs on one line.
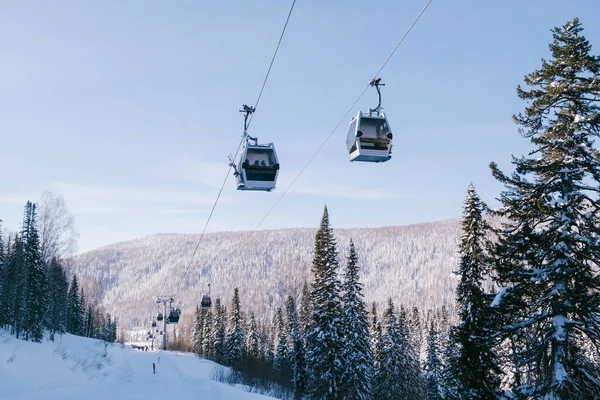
{"points": [[247, 110], [376, 83]]}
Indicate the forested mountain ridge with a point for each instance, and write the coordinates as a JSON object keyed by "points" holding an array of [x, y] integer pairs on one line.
{"points": [[412, 264]]}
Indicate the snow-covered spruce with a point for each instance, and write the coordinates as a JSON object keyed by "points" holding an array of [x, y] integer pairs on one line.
{"points": [[472, 372], [548, 254], [325, 341], [357, 353]]}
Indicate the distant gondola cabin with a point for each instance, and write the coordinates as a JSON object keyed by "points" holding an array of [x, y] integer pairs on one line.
{"points": [[174, 316], [206, 303]]}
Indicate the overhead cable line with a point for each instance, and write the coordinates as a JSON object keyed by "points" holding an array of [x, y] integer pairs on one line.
{"points": [[241, 142], [344, 117], [271, 64]]}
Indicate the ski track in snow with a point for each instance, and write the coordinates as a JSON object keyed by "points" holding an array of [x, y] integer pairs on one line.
{"points": [[73, 368]]}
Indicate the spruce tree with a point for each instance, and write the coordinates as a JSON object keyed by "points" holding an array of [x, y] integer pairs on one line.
{"points": [[111, 328], [197, 336], [444, 328], [36, 283], [58, 286], [291, 325], [305, 314], [74, 309], [90, 324], [268, 343], [82, 308], [265, 350], [433, 366], [547, 256], [296, 357], [281, 365], [376, 334], [253, 354], [207, 342], [413, 385], [300, 379], [234, 339], [473, 368], [416, 331], [390, 377], [325, 342], [357, 355], [415, 336], [291, 336], [16, 288], [218, 332]]}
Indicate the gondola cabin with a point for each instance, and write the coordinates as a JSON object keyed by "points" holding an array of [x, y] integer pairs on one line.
{"points": [[205, 303], [159, 317], [258, 167], [369, 138], [174, 316]]}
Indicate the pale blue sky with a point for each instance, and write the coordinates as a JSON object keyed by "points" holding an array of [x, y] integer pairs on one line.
{"points": [[130, 108]]}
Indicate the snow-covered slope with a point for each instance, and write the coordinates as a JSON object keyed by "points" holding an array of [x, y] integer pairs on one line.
{"points": [[73, 367], [411, 264]]}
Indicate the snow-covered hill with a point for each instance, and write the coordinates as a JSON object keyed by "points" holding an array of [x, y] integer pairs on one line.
{"points": [[412, 264], [73, 367]]}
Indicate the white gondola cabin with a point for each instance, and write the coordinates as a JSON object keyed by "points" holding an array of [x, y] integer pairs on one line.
{"points": [[257, 168], [369, 137]]}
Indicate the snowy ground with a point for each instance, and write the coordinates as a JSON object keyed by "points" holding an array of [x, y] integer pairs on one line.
{"points": [[72, 367]]}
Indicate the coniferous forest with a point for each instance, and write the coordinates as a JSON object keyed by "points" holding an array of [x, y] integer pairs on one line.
{"points": [[527, 319], [533, 333], [36, 295]]}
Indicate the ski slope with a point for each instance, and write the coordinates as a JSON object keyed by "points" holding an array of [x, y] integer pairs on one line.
{"points": [[73, 367]]}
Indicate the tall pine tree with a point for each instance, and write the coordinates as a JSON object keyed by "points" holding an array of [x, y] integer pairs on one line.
{"points": [[218, 332], [376, 338], [234, 340], [390, 377], [305, 314], [357, 354], [413, 386], [281, 365], [325, 341], [252, 353], [58, 287], [74, 309], [207, 342], [291, 335], [36, 283], [547, 257], [472, 370], [197, 335], [433, 366]]}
